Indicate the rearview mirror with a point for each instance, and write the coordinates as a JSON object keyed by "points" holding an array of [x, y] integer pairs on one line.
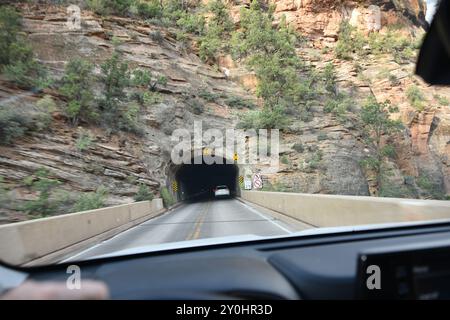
{"points": [[433, 64]]}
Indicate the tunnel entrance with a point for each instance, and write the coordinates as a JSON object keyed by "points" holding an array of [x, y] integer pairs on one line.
{"points": [[198, 181]]}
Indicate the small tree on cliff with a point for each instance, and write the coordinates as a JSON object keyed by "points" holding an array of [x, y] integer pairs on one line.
{"points": [[270, 52], [378, 124], [77, 86], [217, 31], [17, 60]]}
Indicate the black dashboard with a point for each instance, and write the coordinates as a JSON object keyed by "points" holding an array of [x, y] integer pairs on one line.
{"points": [[413, 262]]}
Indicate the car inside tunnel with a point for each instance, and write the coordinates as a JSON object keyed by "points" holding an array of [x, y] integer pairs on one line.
{"points": [[198, 181]]}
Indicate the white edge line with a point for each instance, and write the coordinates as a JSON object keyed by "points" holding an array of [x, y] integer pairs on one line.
{"points": [[263, 216], [69, 259]]}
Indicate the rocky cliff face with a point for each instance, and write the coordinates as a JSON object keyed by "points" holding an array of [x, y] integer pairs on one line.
{"points": [[424, 148], [120, 161]]}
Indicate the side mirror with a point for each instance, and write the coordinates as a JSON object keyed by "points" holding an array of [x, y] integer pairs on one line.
{"points": [[433, 64]]}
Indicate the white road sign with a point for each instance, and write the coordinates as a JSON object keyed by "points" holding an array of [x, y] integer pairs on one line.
{"points": [[257, 181]]}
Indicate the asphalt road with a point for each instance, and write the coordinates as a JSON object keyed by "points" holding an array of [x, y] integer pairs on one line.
{"points": [[208, 219]]}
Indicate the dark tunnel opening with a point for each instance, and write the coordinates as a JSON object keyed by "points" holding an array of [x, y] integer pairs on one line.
{"points": [[198, 181]]}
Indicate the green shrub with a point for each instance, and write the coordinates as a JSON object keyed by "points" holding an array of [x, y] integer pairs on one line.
{"points": [[393, 80], [298, 147], [107, 7], [130, 119], [167, 197], [322, 136], [25, 71], [173, 9], [443, 101], [416, 97], [41, 120], [210, 44], [149, 9], [424, 182], [312, 162], [208, 96], [17, 121], [3, 193], [77, 84], [276, 187], [182, 37], [269, 50], [84, 140], [370, 163], [265, 118], [220, 15], [47, 104], [391, 190], [402, 48], [350, 41], [156, 36], [239, 103], [98, 6], [118, 112], [273, 118], [389, 151], [196, 106], [249, 120], [143, 194], [43, 185], [192, 23], [161, 22], [217, 32], [17, 60], [376, 118], [329, 78], [150, 98], [13, 124], [429, 187], [115, 77], [339, 105], [91, 200], [144, 78], [10, 25]]}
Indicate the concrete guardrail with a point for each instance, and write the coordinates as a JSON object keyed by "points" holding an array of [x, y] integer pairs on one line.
{"points": [[29, 240], [335, 210]]}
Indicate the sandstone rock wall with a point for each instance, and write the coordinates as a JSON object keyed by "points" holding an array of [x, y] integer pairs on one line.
{"points": [[121, 161]]}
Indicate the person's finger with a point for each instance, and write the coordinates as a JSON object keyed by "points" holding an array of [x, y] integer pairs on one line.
{"points": [[31, 290]]}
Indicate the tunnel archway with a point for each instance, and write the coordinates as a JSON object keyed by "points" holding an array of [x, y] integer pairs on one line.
{"points": [[197, 180]]}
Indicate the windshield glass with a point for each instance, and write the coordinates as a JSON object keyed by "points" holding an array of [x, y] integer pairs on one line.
{"points": [[144, 124]]}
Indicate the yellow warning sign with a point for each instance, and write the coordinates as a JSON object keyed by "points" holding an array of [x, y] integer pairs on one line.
{"points": [[175, 186], [235, 157], [241, 180], [206, 152]]}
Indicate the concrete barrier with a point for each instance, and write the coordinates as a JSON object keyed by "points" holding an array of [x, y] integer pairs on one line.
{"points": [[335, 210], [29, 240]]}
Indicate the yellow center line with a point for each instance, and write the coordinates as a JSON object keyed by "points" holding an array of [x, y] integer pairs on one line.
{"points": [[198, 224]]}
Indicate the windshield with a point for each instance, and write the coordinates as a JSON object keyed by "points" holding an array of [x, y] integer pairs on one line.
{"points": [[154, 123]]}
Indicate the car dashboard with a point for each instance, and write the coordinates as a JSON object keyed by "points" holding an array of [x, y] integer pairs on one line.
{"points": [[413, 262]]}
